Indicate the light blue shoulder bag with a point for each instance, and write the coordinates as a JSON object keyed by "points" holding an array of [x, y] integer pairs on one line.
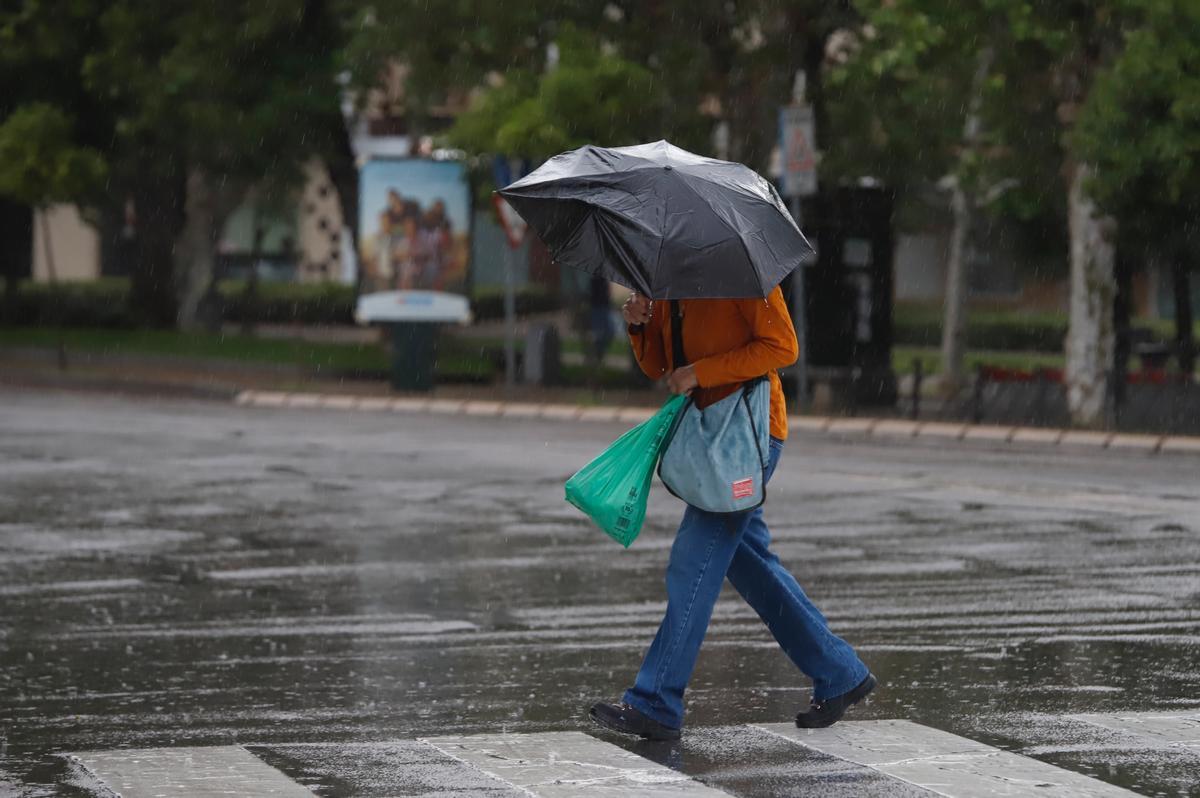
{"points": [[717, 457]]}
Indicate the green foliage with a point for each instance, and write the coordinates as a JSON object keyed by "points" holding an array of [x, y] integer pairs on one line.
{"points": [[1140, 125], [447, 48], [335, 358], [904, 359], [692, 63], [287, 303], [488, 304], [39, 163], [1005, 330], [902, 91], [241, 89], [238, 94], [100, 303], [591, 96], [899, 92], [104, 303]]}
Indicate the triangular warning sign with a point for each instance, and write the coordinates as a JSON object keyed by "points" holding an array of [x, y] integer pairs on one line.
{"points": [[514, 226]]}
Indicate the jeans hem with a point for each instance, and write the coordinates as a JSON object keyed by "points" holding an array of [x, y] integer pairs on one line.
{"points": [[641, 706], [843, 689]]}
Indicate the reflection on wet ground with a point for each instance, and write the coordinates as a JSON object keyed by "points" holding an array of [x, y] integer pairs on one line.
{"points": [[199, 574]]}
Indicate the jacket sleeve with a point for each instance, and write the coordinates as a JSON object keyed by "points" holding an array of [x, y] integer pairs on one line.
{"points": [[647, 342], [772, 346]]}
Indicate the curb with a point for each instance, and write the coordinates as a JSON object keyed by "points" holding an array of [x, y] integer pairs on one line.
{"points": [[871, 428]]}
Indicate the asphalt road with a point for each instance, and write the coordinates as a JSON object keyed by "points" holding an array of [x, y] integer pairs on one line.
{"points": [[326, 587]]}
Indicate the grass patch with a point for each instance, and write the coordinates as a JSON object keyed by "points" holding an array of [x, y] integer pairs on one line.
{"points": [[455, 361], [202, 346], [919, 324], [903, 358]]}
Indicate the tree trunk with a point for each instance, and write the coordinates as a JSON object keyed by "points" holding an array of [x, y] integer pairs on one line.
{"points": [[1089, 344], [1182, 288], [954, 319], [195, 252], [152, 293], [250, 295], [954, 308], [1123, 336], [9, 316]]}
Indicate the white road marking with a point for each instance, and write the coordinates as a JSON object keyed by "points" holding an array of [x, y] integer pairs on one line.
{"points": [[944, 763], [566, 764], [195, 772], [1175, 729]]}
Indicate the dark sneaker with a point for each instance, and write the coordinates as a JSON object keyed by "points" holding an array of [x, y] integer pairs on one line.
{"points": [[627, 720], [828, 712]]}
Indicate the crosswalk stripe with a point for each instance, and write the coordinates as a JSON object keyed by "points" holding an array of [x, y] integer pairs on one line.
{"points": [[570, 763], [1181, 729], [208, 772], [944, 763], [566, 764]]}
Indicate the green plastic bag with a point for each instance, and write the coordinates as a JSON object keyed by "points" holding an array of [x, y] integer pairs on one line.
{"points": [[612, 489]]}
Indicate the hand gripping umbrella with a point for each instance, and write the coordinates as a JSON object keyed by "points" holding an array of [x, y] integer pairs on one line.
{"points": [[662, 221]]}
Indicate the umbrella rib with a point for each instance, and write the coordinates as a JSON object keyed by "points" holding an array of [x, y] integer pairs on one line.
{"points": [[728, 226]]}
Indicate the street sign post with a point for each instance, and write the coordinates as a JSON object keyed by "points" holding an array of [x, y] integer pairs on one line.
{"points": [[798, 148], [514, 230], [797, 142]]}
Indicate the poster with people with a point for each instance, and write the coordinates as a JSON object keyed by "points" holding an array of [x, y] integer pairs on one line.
{"points": [[414, 225]]}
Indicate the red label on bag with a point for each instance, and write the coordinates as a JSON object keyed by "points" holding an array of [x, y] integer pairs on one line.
{"points": [[743, 488]]}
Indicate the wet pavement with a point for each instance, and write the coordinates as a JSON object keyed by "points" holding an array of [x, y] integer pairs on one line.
{"points": [[322, 591]]}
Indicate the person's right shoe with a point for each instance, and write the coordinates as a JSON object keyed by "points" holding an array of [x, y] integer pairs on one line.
{"points": [[627, 720], [822, 714]]}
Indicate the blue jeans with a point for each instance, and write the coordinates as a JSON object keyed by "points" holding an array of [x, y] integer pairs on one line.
{"points": [[707, 549]]}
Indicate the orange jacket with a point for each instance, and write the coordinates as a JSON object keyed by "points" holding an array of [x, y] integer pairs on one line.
{"points": [[728, 341]]}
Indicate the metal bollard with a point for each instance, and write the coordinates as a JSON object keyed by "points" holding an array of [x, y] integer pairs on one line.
{"points": [[918, 375], [977, 395]]}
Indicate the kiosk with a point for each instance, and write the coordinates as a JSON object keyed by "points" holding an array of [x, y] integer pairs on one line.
{"points": [[849, 293]]}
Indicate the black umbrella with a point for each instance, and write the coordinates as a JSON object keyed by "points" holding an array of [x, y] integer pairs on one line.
{"points": [[663, 221]]}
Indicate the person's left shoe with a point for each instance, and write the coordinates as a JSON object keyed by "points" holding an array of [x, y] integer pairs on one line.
{"points": [[627, 720], [822, 714]]}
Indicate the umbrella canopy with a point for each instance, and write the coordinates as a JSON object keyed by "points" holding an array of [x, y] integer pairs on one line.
{"points": [[663, 221]]}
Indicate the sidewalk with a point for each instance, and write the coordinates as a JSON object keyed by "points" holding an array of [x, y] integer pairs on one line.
{"points": [[264, 385], [892, 429]]}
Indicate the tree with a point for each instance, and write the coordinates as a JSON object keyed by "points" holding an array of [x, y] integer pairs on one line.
{"points": [[935, 93], [588, 97], [1139, 129], [901, 77], [41, 165], [1070, 44], [39, 161], [222, 98], [189, 105], [1047, 58], [717, 64]]}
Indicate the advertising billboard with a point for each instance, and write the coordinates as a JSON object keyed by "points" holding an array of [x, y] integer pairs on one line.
{"points": [[414, 225]]}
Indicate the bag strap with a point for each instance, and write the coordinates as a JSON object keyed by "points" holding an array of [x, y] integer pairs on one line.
{"points": [[677, 336]]}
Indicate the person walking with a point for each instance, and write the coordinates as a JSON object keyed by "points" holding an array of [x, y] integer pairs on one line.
{"points": [[600, 323], [725, 343]]}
